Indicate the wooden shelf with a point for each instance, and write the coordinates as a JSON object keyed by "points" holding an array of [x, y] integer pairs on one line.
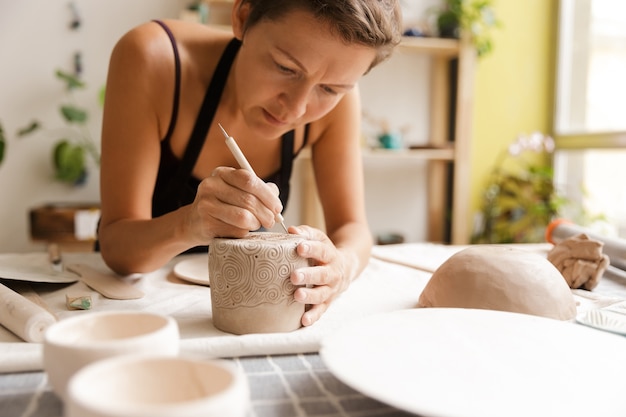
{"points": [[433, 46], [448, 189], [425, 154]]}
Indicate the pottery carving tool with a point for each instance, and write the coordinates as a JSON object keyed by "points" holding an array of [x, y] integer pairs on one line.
{"points": [[243, 162], [54, 256]]}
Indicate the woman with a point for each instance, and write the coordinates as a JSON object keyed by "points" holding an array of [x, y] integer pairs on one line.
{"points": [[287, 80]]}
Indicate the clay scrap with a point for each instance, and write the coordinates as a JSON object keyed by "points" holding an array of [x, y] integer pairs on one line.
{"points": [[580, 260]]}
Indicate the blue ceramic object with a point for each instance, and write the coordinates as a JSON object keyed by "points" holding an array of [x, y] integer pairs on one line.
{"points": [[390, 140]]}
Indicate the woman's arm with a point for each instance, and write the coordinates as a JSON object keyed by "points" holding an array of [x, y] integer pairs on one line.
{"points": [[134, 121], [138, 106]]}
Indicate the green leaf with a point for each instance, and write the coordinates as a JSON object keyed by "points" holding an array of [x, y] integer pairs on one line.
{"points": [[32, 127], [73, 114], [2, 145], [69, 162], [101, 95], [70, 80]]}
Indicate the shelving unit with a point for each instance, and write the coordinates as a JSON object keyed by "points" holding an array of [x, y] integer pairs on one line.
{"points": [[447, 152], [448, 198]]}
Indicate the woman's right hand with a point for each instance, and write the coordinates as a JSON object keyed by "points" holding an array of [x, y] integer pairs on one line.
{"points": [[232, 202]]}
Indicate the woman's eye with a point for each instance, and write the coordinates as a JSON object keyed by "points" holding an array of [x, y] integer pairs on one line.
{"points": [[284, 69], [328, 90]]}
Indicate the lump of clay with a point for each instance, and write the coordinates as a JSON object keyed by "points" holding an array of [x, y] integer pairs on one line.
{"points": [[580, 260], [500, 278]]}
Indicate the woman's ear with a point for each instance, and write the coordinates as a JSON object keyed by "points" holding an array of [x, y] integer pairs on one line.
{"points": [[239, 16]]}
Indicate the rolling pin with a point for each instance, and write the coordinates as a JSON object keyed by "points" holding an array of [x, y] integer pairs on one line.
{"points": [[615, 248], [23, 317]]}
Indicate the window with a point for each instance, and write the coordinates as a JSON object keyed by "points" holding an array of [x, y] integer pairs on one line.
{"points": [[590, 113], [591, 78]]}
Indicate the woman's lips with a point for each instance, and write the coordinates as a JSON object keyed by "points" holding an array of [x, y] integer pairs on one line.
{"points": [[273, 120]]}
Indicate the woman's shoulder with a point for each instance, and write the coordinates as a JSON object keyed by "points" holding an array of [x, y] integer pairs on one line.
{"points": [[150, 40], [190, 32], [344, 118]]}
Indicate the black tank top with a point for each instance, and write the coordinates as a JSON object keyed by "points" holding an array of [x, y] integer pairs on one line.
{"points": [[175, 185]]}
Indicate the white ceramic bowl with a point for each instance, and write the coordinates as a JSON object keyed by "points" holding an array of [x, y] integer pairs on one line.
{"points": [[72, 343], [157, 386]]}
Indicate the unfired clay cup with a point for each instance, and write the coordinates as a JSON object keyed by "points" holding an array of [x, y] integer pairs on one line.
{"points": [[251, 291], [157, 386], [75, 342]]}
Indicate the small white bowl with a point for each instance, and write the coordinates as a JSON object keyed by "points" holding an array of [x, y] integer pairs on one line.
{"points": [[75, 342], [157, 386]]}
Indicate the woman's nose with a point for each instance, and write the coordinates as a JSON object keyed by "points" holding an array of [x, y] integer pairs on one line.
{"points": [[295, 103]]}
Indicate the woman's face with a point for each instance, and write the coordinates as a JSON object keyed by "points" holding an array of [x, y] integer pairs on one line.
{"points": [[293, 71]]}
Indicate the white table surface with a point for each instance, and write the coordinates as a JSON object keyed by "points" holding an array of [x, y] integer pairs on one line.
{"points": [[286, 375]]}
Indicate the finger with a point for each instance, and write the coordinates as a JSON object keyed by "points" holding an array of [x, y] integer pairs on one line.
{"points": [[314, 295], [216, 218], [316, 275], [313, 314], [309, 232], [259, 197], [234, 190], [213, 217], [274, 188], [221, 171], [322, 252], [237, 217], [247, 181]]}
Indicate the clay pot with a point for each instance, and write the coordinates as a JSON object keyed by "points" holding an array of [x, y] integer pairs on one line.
{"points": [[76, 342], [158, 386], [251, 291]]}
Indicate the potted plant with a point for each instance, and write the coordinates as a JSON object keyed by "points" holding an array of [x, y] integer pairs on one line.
{"points": [[520, 199], [474, 17]]}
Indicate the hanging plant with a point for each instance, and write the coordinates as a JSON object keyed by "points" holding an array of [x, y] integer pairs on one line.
{"points": [[69, 153], [75, 143]]}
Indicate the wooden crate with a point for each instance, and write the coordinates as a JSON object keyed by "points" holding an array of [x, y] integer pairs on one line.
{"points": [[71, 225]]}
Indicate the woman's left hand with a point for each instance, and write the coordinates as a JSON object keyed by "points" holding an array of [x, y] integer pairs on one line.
{"points": [[327, 276]]}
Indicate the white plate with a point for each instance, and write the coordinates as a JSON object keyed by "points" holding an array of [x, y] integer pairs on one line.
{"points": [[605, 319], [194, 269], [32, 267], [481, 363]]}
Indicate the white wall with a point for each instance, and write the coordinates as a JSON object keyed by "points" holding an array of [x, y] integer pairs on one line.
{"points": [[34, 41], [398, 91], [395, 190]]}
